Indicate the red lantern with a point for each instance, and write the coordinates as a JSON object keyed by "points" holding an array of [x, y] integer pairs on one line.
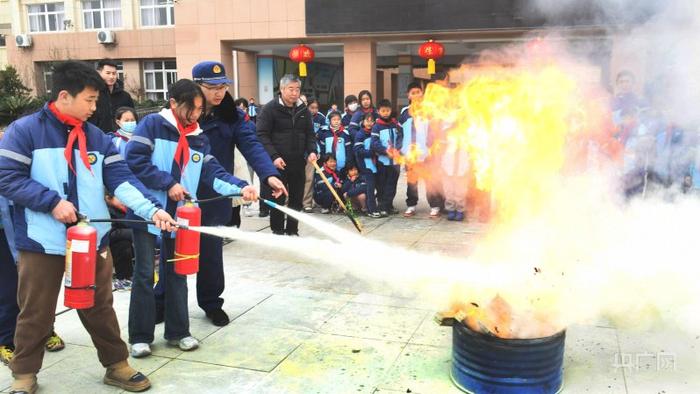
{"points": [[432, 51], [302, 55]]}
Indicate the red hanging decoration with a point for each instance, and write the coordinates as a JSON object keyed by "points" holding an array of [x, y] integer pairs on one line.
{"points": [[431, 51], [302, 55]]}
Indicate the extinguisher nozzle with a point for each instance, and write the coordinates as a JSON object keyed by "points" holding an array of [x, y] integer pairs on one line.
{"points": [[268, 202]]}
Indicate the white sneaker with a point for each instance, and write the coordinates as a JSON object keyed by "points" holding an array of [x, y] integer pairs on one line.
{"points": [[186, 343], [410, 211], [139, 350], [434, 212]]}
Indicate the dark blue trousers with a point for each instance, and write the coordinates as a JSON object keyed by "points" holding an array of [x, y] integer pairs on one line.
{"points": [[371, 196], [8, 293], [387, 178]]}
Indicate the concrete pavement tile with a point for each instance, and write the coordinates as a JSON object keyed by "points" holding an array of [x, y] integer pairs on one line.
{"points": [[449, 238], [663, 361], [179, 376], [318, 277], [304, 313], [375, 322], [459, 251], [249, 346], [199, 328], [332, 364], [396, 300], [395, 235], [421, 369], [590, 352], [431, 333], [241, 267]]}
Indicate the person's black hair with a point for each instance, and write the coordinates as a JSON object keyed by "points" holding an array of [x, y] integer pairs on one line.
{"points": [[350, 99], [384, 103], [365, 93], [334, 113], [369, 114], [413, 85], [625, 73], [73, 77], [240, 101], [327, 157], [122, 110], [310, 101], [106, 62], [184, 91]]}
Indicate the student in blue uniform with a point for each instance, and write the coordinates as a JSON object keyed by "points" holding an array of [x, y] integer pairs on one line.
{"points": [[367, 161], [52, 165], [169, 154], [125, 118], [366, 106], [351, 106], [355, 189], [334, 139], [418, 139], [386, 143], [322, 195]]}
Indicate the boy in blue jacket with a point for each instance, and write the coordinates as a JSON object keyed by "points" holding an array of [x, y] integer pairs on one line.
{"points": [[169, 154], [387, 136], [52, 165], [335, 140], [367, 161]]}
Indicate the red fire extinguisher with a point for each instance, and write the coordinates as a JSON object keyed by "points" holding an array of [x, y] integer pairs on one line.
{"points": [[81, 257], [186, 256]]}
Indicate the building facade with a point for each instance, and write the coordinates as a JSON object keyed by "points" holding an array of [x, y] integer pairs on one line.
{"points": [[363, 44]]}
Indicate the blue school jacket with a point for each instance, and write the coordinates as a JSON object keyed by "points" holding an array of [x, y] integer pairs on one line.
{"points": [[343, 152], [354, 189], [35, 176], [385, 135], [364, 157], [151, 152], [415, 135]]}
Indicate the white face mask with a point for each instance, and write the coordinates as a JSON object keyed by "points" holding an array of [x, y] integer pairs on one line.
{"points": [[353, 107]]}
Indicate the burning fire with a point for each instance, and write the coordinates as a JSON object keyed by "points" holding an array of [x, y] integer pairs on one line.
{"points": [[524, 125]]}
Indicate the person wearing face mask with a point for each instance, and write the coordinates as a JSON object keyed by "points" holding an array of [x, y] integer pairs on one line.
{"points": [[351, 106], [120, 237], [125, 118]]}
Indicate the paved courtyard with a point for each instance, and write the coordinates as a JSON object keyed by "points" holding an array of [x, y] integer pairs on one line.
{"points": [[300, 326]]}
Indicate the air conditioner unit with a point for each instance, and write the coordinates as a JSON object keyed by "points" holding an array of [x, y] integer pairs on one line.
{"points": [[106, 37], [23, 40]]}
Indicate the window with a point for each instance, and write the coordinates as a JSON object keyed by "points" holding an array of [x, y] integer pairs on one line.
{"points": [[157, 13], [98, 14], [45, 17], [2, 40], [48, 80], [157, 77]]}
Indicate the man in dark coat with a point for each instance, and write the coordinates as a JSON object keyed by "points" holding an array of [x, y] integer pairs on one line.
{"points": [[112, 96], [286, 130]]}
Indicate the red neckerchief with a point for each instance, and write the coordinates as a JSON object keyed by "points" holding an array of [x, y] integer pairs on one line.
{"points": [[332, 173], [76, 132], [366, 130], [122, 137], [182, 152], [366, 111], [383, 122], [336, 134]]}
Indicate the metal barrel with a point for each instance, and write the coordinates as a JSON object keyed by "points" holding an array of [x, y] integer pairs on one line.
{"points": [[484, 364]]}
